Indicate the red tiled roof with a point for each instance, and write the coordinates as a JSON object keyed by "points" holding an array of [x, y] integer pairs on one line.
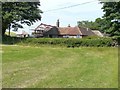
{"points": [[75, 31], [69, 31]]}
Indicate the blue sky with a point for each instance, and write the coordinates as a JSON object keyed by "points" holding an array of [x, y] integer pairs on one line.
{"points": [[89, 11]]}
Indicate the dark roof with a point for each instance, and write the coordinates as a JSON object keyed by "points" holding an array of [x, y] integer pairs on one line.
{"points": [[52, 31], [86, 31]]}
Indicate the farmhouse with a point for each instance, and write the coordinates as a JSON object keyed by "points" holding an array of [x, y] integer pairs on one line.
{"points": [[41, 29], [74, 32], [44, 30]]}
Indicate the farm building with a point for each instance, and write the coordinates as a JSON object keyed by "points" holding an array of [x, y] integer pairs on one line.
{"points": [[44, 30], [74, 32]]}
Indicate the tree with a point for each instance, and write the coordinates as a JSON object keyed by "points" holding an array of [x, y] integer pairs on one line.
{"points": [[14, 14], [87, 24], [101, 24], [112, 18]]}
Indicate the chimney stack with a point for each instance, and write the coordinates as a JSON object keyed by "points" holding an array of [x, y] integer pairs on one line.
{"points": [[68, 25], [58, 23]]}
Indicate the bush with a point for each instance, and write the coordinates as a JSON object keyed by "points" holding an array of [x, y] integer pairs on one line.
{"points": [[71, 42], [116, 40], [11, 40], [92, 37]]}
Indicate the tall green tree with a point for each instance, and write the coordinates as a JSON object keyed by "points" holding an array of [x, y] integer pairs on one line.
{"points": [[101, 24], [14, 14], [88, 24], [112, 18]]}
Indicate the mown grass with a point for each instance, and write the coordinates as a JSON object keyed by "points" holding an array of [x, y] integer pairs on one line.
{"points": [[49, 67]]}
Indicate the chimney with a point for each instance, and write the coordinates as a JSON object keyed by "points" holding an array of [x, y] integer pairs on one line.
{"points": [[57, 23], [68, 25]]}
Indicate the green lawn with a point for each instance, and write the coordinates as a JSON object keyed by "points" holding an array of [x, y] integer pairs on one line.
{"points": [[48, 67]]}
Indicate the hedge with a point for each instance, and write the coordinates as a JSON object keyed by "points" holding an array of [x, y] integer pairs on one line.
{"points": [[67, 42], [11, 40], [72, 42]]}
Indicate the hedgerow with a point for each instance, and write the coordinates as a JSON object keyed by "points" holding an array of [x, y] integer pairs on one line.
{"points": [[67, 42], [11, 40], [72, 42]]}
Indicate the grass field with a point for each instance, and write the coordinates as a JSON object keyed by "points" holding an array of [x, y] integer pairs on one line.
{"points": [[48, 67]]}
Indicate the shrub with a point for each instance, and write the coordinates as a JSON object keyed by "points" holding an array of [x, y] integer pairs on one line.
{"points": [[116, 40], [92, 37], [11, 40]]}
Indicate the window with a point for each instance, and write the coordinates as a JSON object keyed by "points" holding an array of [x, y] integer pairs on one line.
{"points": [[78, 36]]}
